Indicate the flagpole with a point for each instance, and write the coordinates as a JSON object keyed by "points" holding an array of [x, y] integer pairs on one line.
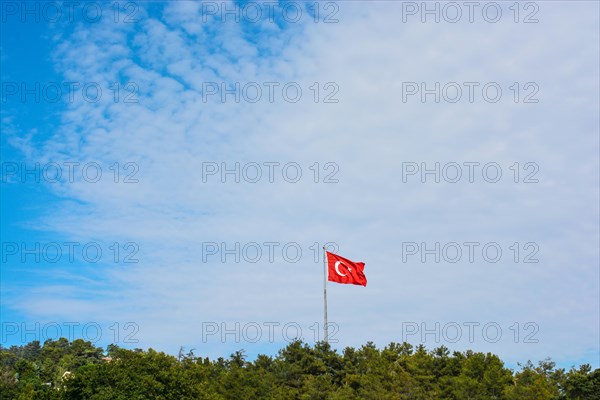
{"points": [[325, 292]]}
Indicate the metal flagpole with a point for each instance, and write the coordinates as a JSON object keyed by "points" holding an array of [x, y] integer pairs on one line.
{"points": [[325, 291]]}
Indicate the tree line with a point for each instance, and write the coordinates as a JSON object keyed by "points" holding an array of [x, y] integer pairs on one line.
{"points": [[60, 369]]}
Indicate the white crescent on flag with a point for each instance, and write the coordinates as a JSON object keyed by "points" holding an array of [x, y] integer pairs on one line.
{"points": [[337, 264]]}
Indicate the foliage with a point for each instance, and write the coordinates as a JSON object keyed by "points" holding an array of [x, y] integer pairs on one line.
{"points": [[78, 370]]}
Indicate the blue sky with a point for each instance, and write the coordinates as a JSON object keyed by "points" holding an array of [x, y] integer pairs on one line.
{"points": [[164, 210]]}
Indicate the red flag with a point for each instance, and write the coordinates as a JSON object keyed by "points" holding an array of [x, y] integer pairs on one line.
{"points": [[342, 270]]}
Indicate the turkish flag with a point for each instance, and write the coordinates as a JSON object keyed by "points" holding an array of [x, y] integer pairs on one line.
{"points": [[342, 270]]}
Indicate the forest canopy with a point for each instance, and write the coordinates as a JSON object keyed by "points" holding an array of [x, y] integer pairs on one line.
{"points": [[60, 369]]}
